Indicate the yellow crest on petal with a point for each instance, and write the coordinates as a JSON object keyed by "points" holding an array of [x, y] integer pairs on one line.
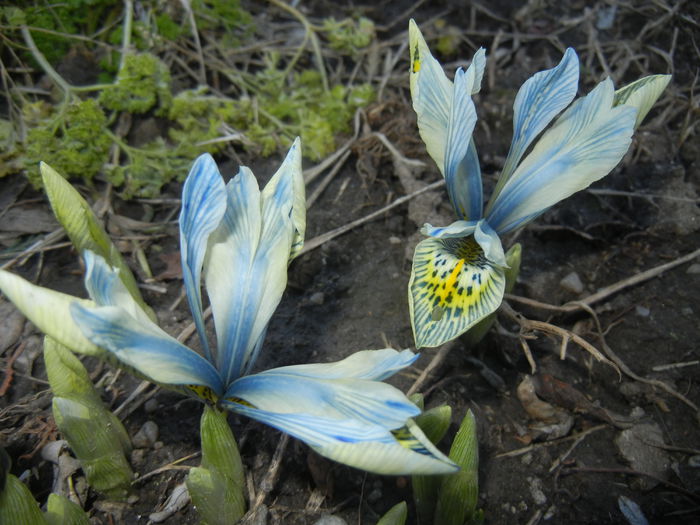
{"points": [[453, 286]]}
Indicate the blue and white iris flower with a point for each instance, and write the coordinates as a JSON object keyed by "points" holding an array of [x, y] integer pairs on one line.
{"points": [[458, 272], [241, 240]]}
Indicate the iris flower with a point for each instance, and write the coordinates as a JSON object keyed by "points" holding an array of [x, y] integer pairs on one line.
{"points": [[458, 277], [240, 240]]}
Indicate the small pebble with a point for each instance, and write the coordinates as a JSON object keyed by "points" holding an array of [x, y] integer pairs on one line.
{"points": [[150, 406], [572, 283], [146, 436], [536, 490], [394, 240], [158, 445], [693, 268], [137, 456], [687, 311], [637, 413], [374, 496], [317, 298], [642, 311]]}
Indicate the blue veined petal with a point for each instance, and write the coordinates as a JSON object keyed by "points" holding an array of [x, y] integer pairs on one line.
{"points": [[453, 286], [585, 143], [288, 183], [107, 289], [404, 450], [246, 267], [203, 206], [49, 310], [145, 348], [374, 365], [541, 98], [409, 452], [490, 243], [431, 92], [456, 229], [478, 65], [233, 275], [462, 171], [291, 392]]}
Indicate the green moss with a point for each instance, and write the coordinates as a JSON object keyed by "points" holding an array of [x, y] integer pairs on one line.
{"points": [[348, 35], [143, 83], [282, 110], [198, 117], [279, 100], [75, 143]]}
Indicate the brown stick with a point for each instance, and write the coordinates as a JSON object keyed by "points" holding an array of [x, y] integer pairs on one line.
{"points": [[608, 290]]}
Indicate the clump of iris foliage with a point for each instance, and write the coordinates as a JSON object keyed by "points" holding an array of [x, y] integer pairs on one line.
{"points": [[141, 77]]}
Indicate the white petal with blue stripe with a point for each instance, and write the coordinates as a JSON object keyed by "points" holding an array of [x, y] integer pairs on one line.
{"points": [[144, 347], [585, 143], [203, 206], [541, 98]]}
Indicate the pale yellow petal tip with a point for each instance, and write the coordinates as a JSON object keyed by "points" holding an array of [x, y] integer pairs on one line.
{"points": [[47, 171], [417, 46]]}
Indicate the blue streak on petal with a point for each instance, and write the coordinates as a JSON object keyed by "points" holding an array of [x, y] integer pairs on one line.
{"points": [[145, 347], [106, 288], [371, 402], [538, 101], [375, 365], [313, 429], [246, 270], [203, 206], [586, 142], [232, 275], [462, 171], [356, 443]]}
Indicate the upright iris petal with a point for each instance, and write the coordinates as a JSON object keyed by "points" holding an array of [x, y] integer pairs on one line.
{"points": [[203, 206], [585, 143]]}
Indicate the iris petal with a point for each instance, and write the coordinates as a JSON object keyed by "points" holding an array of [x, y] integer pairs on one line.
{"points": [[372, 402], [145, 348], [246, 265], [585, 143], [372, 447], [106, 288], [289, 181], [203, 206], [431, 92], [462, 171], [453, 286], [49, 310], [541, 98], [456, 229], [375, 365], [642, 94]]}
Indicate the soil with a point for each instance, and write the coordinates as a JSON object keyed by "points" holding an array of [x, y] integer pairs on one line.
{"points": [[350, 294]]}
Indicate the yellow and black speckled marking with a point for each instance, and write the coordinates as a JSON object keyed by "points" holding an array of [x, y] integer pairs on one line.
{"points": [[453, 286], [240, 401], [415, 61], [407, 440], [203, 392]]}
